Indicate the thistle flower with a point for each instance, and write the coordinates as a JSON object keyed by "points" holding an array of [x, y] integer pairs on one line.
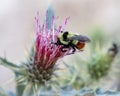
{"points": [[102, 58], [42, 64]]}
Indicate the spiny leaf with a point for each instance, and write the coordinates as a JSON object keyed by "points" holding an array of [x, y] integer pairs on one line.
{"points": [[6, 63], [20, 89]]}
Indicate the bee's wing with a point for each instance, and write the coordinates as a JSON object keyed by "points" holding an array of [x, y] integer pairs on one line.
{"points": [[80, 38]]}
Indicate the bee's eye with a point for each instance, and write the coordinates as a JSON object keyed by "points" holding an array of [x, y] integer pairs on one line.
{"points": [[80, 45]]}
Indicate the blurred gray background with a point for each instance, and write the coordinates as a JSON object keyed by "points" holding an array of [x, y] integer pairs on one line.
{"points": [[17, 24]]}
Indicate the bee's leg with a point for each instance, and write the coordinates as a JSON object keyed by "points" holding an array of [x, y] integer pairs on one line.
{"points": [[64, 48], [73, 49], [57, 43]]}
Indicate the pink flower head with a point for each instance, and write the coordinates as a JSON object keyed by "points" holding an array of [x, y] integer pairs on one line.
{"points": [[48, 53]]}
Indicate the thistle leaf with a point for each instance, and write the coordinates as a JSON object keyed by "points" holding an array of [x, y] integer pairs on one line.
{"points": [[28, 91], [6, 63], [20, 89]]}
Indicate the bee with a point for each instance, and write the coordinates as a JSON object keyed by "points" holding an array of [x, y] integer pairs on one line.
{"points": [[69, 40]]}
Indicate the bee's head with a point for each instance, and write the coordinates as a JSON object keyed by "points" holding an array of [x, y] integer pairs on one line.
{"points": [[65, 34]]}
